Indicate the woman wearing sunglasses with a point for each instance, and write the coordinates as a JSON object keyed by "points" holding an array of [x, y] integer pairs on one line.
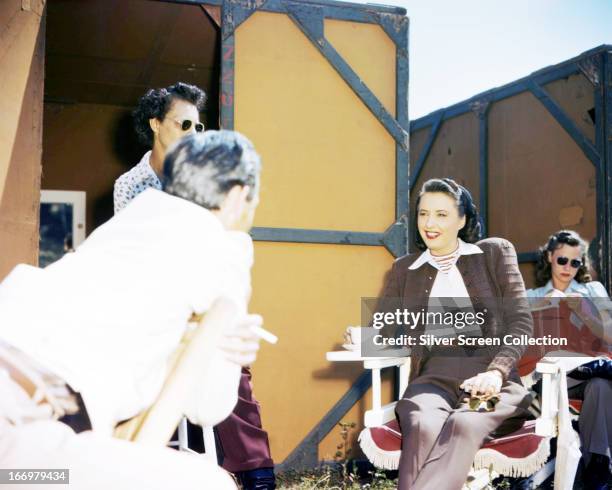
{"points": [[163, 116], [562, 271]]}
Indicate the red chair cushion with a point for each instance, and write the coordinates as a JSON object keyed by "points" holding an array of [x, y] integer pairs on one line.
{"points": [[516, 454]]}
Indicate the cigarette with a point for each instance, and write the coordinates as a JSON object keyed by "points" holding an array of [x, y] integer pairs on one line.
{"points": [[264, 334]]}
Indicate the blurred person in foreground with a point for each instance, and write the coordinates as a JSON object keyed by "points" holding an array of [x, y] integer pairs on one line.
{"points": [[91, 335]]}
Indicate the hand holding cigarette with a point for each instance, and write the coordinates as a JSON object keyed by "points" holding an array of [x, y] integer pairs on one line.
{"points": [[264, 334], [242, 343]]}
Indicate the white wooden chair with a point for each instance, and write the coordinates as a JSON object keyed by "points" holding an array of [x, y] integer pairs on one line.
{"points": [[520, 454], [210, 449], [194, 356]]}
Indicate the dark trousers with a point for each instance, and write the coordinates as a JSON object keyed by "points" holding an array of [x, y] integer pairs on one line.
{"points": [[243, 441], [595, 422]]}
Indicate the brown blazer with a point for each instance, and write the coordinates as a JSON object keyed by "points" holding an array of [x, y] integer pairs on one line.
{"points": [[494, 274]]}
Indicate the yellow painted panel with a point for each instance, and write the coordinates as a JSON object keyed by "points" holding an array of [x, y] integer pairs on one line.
{"points": [[308, 294], [370, 53], [328, 162]]}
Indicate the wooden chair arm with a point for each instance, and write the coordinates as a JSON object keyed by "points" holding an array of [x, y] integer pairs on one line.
{"points": [[191, 359], [546, 424]]}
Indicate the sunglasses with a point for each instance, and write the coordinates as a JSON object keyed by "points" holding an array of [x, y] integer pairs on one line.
{"points": [[186, 124], [575, 263]]}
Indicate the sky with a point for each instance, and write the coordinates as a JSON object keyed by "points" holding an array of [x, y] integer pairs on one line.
{"points": [[463, 47]]}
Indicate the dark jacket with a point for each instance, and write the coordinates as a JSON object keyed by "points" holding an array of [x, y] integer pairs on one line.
{"points": [[494, 274]]}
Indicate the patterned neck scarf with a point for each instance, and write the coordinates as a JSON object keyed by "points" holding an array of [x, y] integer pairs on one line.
{"points": [[445, 262]]}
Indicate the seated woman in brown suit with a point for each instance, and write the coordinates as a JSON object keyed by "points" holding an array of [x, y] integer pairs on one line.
{"points": [[440, 433]]}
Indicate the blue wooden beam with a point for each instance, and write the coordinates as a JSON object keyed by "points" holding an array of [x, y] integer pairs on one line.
{"points": [[393, 239], [306, 454], [226, 97], [236, 13], [565, 121], [332, 237], [241, 10], [350, 77], [437, 123], [402, 156], [607, 161], [526, 257], [496, 94], [483, 163], [542, 77], [396, 27], [607, 158], [603, 141], [340, 8]]}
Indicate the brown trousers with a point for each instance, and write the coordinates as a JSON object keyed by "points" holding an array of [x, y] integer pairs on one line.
{"points": [[440, 435], [243, 440]]}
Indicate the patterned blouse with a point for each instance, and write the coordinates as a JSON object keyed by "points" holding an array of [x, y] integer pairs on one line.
{"points": [[134, 181]]}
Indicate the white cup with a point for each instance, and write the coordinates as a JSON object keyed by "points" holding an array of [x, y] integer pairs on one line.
{"points": [[354, 334], [358, 336]]}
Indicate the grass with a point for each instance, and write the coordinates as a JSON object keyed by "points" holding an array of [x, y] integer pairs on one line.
{"points": [[341, 474], [334, 477]]}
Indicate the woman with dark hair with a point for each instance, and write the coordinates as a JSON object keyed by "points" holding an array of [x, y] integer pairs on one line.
{"points": [[562, 271], [440, 433], [553, 269], [162, 117]]}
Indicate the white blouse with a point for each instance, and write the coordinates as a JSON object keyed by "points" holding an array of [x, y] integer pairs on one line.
{"points": [[447, 287], [133, 182]]}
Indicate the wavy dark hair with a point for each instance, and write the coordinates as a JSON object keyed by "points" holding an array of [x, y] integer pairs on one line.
{"points": [[157, 102], [543, 270], [472, 231]]}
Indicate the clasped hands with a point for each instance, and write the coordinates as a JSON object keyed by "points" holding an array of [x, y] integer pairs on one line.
{"points": [[486, 383]]}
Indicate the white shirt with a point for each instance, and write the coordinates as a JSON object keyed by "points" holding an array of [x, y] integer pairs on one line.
{"points": [[448, 285], [107, 317], [134, 181]]}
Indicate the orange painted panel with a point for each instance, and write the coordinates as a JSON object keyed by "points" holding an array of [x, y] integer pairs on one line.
{"points": [[328, 162], [308, 294]]}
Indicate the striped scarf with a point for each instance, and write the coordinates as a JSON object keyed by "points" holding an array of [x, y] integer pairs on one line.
{"points": [[445, 262]]}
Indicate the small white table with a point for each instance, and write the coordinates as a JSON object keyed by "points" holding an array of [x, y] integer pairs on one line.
{"points": [[379, 414]]}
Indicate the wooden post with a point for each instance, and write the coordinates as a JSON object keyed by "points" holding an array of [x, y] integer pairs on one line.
{"points": [[22, 53]]}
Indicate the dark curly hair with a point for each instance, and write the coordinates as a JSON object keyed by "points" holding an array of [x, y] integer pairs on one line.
{"points": [[157, 102], [472, 231], [543, 270]]}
